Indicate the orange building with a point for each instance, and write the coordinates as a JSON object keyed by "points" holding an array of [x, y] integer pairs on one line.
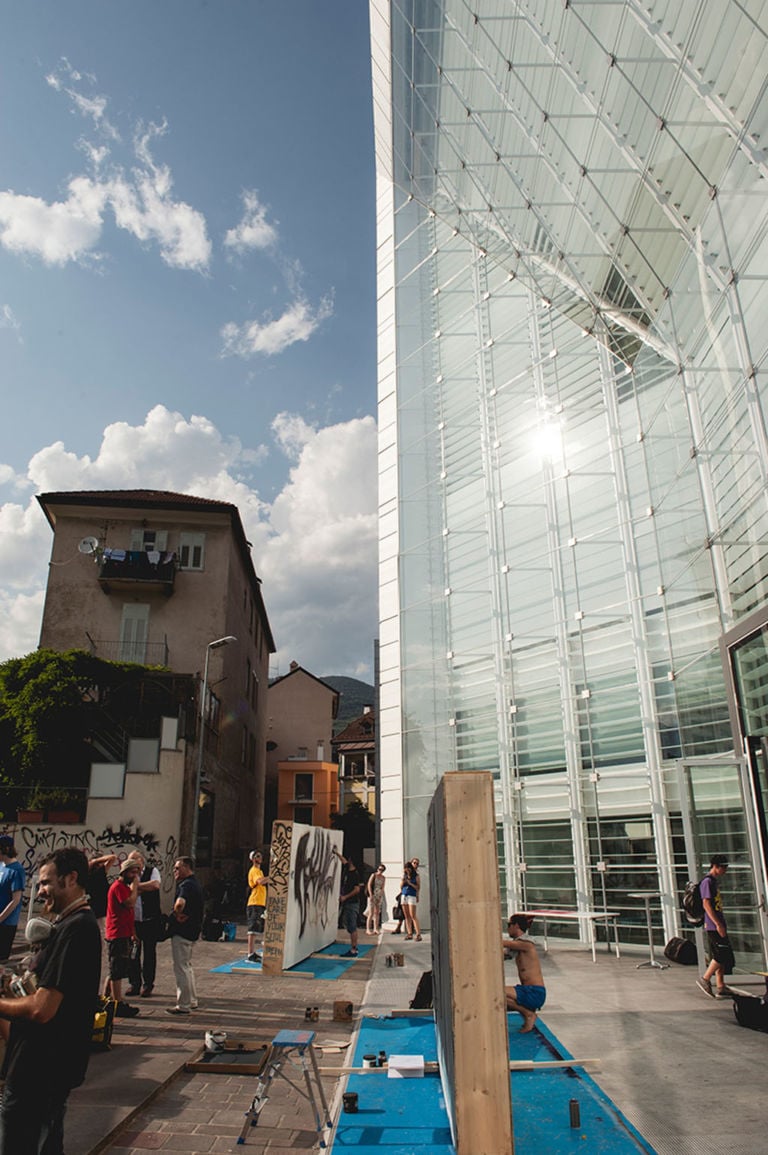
{"points": [[308, 792]]}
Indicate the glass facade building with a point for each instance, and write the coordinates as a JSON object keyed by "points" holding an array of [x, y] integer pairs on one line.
{"points": [[573, 326]]}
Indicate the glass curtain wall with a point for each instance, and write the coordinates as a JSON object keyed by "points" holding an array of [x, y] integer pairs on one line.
{"points": [[579, 326]]}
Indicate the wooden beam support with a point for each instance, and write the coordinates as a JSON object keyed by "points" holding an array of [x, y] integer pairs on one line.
{"points": [[468, 966]]}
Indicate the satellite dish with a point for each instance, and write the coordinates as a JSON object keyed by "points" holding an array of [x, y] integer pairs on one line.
{"points": [[88, 545]]}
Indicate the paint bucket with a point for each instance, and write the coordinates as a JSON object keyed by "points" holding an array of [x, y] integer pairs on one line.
{"points": [[370, 1061], [400, 960], [349, 1101], [215, 1040]]}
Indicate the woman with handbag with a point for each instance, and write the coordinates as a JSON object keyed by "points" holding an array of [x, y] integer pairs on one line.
{"points": [[376, 899], [409, 897]]}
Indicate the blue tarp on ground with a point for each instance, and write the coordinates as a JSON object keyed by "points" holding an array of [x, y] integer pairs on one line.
{"points": [[409, 1118], [326, 964]]}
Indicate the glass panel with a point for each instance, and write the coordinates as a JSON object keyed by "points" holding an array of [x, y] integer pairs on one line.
{"points": [[720, 828]]}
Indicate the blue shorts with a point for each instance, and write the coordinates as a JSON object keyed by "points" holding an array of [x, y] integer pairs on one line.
{"points": [[532, 998]]}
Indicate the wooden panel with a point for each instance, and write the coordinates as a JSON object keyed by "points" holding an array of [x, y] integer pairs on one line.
{"points": [[303, 894], [468, 966]]}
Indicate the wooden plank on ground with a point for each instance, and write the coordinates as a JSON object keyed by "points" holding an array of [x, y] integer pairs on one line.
{"points": [[467, 963]]}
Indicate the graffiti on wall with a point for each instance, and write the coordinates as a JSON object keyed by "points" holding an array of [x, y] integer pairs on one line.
{"points": [[315, 878], [34, 843], [303, 895], [277, 896]]}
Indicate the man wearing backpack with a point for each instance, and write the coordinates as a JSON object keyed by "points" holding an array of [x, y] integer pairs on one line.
{"points": [[717, 932]]}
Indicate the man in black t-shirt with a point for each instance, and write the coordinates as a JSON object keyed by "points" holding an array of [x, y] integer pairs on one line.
{"points": [[50, 1030], [185, 926]]}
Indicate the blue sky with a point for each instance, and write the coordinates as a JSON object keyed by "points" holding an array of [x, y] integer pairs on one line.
{"points": [[187, 293]]}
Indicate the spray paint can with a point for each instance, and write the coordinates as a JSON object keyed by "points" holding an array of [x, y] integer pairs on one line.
{"points": [[575, 1112]]}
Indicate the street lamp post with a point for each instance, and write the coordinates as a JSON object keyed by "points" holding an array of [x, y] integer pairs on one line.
{"points": [[201, 741]]}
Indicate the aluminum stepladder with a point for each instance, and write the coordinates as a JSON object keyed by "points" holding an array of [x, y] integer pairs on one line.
{"points": [[294, 1048]]}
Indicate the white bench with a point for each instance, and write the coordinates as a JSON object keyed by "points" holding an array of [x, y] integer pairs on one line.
{"points": [[609, 917]]}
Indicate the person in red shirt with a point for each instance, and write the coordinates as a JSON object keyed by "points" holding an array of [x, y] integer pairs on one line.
{"points": [[120, 933]]}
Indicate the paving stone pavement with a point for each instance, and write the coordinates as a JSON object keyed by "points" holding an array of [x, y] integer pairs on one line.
{"points": [[138, 1097]]}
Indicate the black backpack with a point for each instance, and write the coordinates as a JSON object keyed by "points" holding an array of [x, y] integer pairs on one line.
{"points": [[693, 904], [751, 1012]]}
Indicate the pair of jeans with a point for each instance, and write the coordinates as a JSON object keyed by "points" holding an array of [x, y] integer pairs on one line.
{"points": [[186, 991], [144, 965], [32, 1121]]}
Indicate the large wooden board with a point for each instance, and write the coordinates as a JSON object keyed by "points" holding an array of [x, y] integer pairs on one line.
{"points": [[468, 965], [303, 893]]}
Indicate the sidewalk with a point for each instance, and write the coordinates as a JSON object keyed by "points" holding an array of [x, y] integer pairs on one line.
{"points": [[137, 1097], [658, 1038]]}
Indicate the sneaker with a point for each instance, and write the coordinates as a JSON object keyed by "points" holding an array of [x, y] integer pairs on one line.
{"points": [[253, 957], [146, 992], [133, 991], [194, 1006], [706, 986], [350, 954], [176, 1011], [398, 931], [126, 1011], [723, 992]]}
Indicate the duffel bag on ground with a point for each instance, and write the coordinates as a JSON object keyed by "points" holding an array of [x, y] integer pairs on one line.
{"points": [[681, 950], [751, 1012]]}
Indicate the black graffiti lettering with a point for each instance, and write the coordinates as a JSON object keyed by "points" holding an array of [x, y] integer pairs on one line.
{"points": [[36, 842], [314, 876]]}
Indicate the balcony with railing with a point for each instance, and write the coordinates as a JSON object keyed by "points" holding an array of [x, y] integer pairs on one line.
{"points": [[126, 568], [144, 653]]}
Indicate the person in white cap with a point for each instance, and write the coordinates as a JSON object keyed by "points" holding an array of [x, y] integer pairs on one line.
{"points": [[257, 903]]}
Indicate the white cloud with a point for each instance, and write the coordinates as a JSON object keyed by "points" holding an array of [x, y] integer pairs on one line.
{"points": [[297, 323], [292, 433], [146, 209], [20, 616], [254, 230], [314, 547], [59, 232], [319, 564], [9, 320], [92, 107], [142, 204]]}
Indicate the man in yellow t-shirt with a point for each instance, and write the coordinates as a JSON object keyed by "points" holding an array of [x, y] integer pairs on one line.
{"points": [[257, 901]]}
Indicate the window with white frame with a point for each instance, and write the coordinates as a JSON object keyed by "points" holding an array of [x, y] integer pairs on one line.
{"points": [[146, 540], [191, 550]]}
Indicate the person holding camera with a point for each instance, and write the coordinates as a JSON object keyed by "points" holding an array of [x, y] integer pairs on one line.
{"points": [[147, 928], [49, 1042]]}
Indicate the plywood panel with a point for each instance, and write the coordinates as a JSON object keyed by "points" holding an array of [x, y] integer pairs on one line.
{"points": [[303, 894], [467, 964]]}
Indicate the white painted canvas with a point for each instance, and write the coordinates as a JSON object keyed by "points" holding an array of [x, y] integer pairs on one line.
{"points": [[306, 901]]}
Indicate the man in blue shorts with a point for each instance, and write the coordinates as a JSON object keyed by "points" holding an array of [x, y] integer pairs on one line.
{"points": [[528, 996]]}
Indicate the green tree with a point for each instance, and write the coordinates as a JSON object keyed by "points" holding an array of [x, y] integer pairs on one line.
{"points": [[359, 828], [50, 705]]}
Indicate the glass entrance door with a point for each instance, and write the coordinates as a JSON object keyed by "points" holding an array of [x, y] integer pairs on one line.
{"points": [[717, 822], [744, 653]]}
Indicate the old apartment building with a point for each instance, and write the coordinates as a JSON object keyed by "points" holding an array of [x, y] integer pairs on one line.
{"points": [[157, 578]]}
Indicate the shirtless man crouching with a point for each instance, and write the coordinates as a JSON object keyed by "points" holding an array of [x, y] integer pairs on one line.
{"points": [[528, 996]]}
